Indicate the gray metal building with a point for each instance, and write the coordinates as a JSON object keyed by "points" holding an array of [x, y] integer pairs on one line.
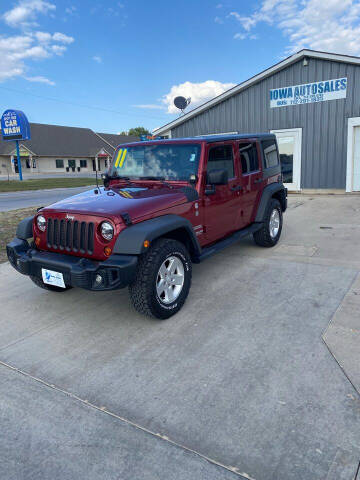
{"points": [[311, 101]]}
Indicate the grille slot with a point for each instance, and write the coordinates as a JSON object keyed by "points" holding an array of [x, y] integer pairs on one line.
{"points": [[73, 236]]}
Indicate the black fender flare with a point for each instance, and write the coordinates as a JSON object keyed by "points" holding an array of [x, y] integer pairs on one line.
{"points": [[24, 229], [131, 240], [266, 195]]}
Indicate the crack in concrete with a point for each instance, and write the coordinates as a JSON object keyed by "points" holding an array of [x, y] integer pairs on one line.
{"points": [[331, 322], [46, 327], [102, 409], [357, 474]]}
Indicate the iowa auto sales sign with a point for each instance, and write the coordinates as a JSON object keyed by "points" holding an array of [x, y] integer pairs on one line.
{"points": [[308, 93]]}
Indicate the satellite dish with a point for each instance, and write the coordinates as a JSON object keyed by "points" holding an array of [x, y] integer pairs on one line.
{"points": [[181, 102]]}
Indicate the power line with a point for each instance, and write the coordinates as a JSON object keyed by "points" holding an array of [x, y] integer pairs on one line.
{"points": [[78, 104]]}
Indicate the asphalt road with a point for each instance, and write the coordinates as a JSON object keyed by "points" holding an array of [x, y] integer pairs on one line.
{"points": [[238, 384], [34, 198]]}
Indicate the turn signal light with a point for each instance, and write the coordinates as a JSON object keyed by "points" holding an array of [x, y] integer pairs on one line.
{"points": [[146, 244], [37, 241], [107, 251]]}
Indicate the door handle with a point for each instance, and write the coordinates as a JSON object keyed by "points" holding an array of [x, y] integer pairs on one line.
{"points": [[236, 188], [258, 180]]}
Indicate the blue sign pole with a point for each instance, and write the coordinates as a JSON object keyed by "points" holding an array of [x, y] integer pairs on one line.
{"points": [[14, 127], [18, 159]]}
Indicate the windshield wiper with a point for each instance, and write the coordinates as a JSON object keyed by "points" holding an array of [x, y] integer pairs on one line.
{"points": [[150, 177], [118, 177]]}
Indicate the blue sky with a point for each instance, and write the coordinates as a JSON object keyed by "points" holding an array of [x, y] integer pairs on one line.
{"points": [[114, 65]]}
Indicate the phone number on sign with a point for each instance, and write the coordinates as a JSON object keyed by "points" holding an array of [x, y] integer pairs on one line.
{"points": [[299, 100]]}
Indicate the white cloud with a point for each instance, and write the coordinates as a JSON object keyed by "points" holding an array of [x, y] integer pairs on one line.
{"points": [[240, 36], [334, 26], [58, 49], [199, 93], [43, 37], [70, 10], [13, 51], [16, 51], [62, 38], [97, 59], [218, 20], [24, 13], [246, 22], [40, 79], [244, 35], [150, 106]]}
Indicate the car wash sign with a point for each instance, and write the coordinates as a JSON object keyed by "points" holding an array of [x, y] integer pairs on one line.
{"points": [[308, 93], [15, 125]]}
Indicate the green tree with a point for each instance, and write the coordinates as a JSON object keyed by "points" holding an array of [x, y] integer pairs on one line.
{"points": [[137, 131]]}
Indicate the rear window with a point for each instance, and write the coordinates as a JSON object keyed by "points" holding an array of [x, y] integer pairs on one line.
{"points": [[248, 157], [270, 153]]}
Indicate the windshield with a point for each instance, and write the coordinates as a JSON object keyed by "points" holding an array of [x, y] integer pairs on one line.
{"points": [[165, 162]]}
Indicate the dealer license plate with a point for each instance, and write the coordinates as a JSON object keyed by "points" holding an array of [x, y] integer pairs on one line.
{"points": [[53, 278]]}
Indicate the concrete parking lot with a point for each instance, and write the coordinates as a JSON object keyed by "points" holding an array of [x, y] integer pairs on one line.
{"points": [[257, 377]]}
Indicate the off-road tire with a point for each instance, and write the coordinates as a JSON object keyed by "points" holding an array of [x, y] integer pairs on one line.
{"points": [[262, 237], [45, 286], [143, 292]]}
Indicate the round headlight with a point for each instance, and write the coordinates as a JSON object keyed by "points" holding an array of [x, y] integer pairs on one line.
{"points": [[107, 230], [41, 223]]}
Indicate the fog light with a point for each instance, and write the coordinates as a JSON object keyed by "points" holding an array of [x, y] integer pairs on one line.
{"points": [[98, 279]]}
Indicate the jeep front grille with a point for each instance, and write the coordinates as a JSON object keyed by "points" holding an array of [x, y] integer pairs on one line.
{"points": [[70, 235]]}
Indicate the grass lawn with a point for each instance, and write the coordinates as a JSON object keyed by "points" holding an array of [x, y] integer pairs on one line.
{"points": [[8, 223], [43, 183]]}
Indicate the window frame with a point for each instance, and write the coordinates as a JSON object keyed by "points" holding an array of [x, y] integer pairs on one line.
{"points": [[59, 160], [222, 144], [83, 160], [255, 143], [265, 167]]}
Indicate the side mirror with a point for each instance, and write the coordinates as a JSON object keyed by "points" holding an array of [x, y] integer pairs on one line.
{"points": [[105, 178], [216, 177], [193, 179]]}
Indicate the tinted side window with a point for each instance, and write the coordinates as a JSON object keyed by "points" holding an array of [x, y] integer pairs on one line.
{"points": [[270, 153], [248, 157], [222, 157]]}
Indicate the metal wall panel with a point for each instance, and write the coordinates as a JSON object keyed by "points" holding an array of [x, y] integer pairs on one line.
{"points": [[324, 124]]}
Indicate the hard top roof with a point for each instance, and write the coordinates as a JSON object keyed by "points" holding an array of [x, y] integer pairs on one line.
{"points": [[230, 136], [208, 138]]}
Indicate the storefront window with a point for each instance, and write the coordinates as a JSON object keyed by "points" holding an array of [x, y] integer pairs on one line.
{"points": [[83, 163], [286, 149], [59, 163]]}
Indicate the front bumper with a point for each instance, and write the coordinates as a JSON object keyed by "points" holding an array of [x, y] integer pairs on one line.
{"points": [[117, 271]]}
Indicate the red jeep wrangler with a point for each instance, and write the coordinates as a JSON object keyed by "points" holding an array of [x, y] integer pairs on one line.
{"points": [[164, 205]]}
